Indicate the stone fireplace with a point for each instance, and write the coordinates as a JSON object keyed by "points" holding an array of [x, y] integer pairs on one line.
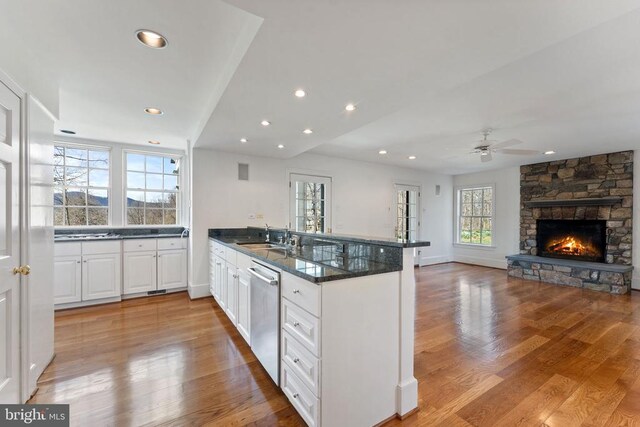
{"points": [[576, 221]]}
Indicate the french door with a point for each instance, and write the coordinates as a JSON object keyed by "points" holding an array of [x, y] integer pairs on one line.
{"points": [[9, 246], [407, 212], [310, 203]]}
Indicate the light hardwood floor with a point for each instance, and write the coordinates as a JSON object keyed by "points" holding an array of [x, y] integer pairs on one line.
{"points": [[490, 351]]}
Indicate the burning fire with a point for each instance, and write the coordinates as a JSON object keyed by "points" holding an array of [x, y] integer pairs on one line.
{"points": [[569, 245]]}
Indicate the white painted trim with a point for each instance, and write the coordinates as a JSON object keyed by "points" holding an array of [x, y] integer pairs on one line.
{"points": [[198, 291], [88, 303], [407, 388], [635, 281], [436, 259], [486, 262], [456, 212]]}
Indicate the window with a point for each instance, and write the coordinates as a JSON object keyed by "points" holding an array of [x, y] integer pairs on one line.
{"points": [[310, 201], [81, 186], [153, 189], [475, 215], [407, 206]]}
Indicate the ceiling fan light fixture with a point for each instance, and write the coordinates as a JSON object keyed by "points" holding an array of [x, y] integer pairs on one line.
{"points": [[484, 153]]}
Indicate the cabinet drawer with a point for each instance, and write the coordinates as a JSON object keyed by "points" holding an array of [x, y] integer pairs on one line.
{"points": [[301, 361], [97, 248], [301, 292], [139, 245], [307, 405], [302, 326], [171, 243], [67, 249]]}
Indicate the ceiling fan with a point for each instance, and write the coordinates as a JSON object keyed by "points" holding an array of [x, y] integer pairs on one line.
{"points": [[487, 147]]}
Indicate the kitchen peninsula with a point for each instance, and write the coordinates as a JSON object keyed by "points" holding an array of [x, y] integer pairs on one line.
{"points": [[346, 318]]}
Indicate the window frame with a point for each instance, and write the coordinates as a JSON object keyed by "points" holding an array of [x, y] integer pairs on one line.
{"points": [[316, 178], [458, 214], [125, 188], [109, 188]]}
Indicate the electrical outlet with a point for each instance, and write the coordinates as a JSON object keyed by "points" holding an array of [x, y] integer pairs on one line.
{"points": [[252, 216]]}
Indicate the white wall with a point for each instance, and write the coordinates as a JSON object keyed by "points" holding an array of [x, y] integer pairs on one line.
{"points": [[506, 230], [363, 194]]}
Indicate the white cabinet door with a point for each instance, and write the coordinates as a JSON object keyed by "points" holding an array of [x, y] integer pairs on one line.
{"points": [[232, 292], [172, 269], [221, 280], [243, 305], [67, 279], [100, 276], [139, 272]]}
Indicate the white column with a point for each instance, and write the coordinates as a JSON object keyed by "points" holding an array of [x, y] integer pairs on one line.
{"points": [[407, 391]]}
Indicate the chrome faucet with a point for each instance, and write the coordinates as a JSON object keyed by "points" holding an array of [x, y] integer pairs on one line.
{"points": [[185, 231], [267, 233]]}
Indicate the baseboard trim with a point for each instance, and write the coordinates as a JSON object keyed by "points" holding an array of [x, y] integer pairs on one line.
{"points": [[431, 260], [198, 291], [635, 282], [485, 262]]}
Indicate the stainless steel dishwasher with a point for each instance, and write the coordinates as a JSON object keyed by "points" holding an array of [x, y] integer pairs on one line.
{"points": [[265, 318]]}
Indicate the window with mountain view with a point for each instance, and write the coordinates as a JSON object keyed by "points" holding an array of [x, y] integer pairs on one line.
{"points": [[81, 186], [153, 189]]}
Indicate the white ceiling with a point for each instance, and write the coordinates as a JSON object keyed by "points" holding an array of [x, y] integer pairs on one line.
{"points": [[427, 76]]}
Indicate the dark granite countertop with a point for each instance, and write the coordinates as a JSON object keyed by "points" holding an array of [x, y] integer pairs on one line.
{"points": [[297, 265], [66, 235]]}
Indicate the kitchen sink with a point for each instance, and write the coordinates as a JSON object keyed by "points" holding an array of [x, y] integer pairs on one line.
{"points": [[86, 236]]}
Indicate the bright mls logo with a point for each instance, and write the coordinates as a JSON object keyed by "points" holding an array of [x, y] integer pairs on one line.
{"points": [[34, 415]]}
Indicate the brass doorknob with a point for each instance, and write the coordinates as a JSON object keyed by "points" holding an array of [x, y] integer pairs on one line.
{"points": [[23, 269]]}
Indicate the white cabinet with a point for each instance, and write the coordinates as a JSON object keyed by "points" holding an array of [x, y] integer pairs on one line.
{"points": [[232, 292], [86, 271], [154, 264], [100, 276], [221, 283], [244, 312], [139, 272], [172, 269], [67, 279]]}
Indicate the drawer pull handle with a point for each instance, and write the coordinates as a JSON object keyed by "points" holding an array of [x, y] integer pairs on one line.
{"points": [[296, 291], [296, 324], [296, 360], [295, 396]]}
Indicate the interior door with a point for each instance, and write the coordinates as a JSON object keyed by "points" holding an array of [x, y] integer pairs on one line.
{"points": [[9, 246]]}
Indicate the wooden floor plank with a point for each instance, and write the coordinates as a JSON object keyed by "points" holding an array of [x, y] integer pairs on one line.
{"points": [[490, 350]]}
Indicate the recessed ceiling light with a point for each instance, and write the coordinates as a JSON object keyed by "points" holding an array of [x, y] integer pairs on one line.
{"points": [[151, 39], [154, 142], [300, 93], [243, 140], [307, 131], [382, 152], [154, 111], [484, 153], [265, 123], [280, 146], [350, 107], [412, 157], [549, 152], [67, 131]]}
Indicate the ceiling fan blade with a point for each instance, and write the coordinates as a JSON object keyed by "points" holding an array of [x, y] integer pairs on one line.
{"points": [[507, 143], [486, 158], [518, 152]]}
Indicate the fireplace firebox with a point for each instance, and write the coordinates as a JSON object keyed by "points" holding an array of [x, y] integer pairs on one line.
{"points": [[583, 240]]}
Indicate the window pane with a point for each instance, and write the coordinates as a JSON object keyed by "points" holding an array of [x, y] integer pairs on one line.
{"points": [[467, 209], [169, 165], [99, 159], [154, 182], [98, 178], [76, 157], [170, 217], [58, 196], [466, 196], [486, 208], [58, 216], [169, 200], [58, 156], [135, 199], [488, 192], [135, 180], [76, 216], [154, 164], [475, 230], [58, 175], [153, 200], [153, 216], [135, 162], [135, 216], [75, 197], [76, 176], [98, 197], [170, 182], [98, 216]]}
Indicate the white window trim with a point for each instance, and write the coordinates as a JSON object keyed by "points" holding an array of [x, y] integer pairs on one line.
{"points": [[180, 205], [456, 220], [82, 146], [327, 180]]}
